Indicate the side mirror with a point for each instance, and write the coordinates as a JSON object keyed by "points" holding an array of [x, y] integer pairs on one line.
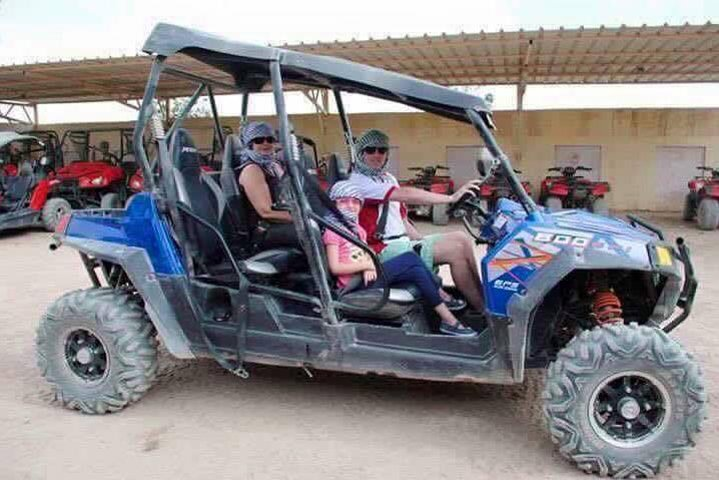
{"points": [[485, 165]]}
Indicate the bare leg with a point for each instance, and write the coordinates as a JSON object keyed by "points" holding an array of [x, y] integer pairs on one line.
{"points": [[445, 314], [454, 250]]}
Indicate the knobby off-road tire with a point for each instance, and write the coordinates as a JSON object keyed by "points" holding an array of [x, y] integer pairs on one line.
{"points": [[664, 381], [690, 210], [554, 204], [439, 215], [708, 214], [85, 330], [53, 211], [111, 200], [600, 207]]}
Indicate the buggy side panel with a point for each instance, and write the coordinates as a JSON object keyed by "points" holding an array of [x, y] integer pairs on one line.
{"points": [[140, 241], [138, 268]]}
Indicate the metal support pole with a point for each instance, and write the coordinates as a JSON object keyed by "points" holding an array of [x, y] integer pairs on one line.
{"points": [[349, 140], [519, 123], [300, 208], [35, 115], [216, 117], [243, 114]]}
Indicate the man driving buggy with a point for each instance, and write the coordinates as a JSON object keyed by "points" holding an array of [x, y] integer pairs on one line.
{"points": [[390, 233]]}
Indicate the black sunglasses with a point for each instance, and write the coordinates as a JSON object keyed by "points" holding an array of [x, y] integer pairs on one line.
{"points": [[261, 140], [372, 150]]}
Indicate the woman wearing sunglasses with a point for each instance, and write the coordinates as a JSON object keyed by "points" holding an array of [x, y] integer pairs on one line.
{"points": [[390, 233], [259, 176]]}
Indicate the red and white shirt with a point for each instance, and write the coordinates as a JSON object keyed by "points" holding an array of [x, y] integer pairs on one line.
{"points": [[376, 192]]}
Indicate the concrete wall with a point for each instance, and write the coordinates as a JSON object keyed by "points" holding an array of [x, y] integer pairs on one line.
{"points": [[628, 138]]}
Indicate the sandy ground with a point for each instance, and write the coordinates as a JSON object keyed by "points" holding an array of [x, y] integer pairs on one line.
{"points": [[199, 422]]}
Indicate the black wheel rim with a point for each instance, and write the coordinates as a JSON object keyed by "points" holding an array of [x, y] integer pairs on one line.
{"points": [[85, 355], [629, 409]]}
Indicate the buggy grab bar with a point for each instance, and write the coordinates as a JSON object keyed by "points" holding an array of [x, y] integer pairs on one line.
{"points": [[185, 210], [378, 266]]}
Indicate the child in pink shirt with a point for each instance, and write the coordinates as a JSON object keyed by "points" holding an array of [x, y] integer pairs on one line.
{"points": [[346, 260]]}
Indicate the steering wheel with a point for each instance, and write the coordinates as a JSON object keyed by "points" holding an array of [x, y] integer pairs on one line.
{"points": [[114, 159], [469, 208]]}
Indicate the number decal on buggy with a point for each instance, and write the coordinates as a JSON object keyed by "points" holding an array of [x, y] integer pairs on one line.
{"points": [[561, 239]]}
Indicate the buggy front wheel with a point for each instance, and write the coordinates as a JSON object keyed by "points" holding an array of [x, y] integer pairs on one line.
{"points": [[624, 401]]}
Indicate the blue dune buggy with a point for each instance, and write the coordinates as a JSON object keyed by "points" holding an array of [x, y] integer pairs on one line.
{"points": [[589, 299]]}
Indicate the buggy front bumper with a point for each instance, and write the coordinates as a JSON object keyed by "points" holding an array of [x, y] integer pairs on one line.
{"points": [[689, 288]]}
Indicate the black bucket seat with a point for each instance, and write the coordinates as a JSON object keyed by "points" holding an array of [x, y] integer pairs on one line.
{"points": [[205, 198]]}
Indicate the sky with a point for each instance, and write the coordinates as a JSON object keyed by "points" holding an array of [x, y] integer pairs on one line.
{"points": [[42, 30]]}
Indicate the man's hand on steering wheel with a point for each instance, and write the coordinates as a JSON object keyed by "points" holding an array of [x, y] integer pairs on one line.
{"points": [[470, 188]]}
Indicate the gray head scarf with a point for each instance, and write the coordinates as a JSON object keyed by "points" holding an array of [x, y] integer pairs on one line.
{"points": [[371, 138], [345, 189], [252, 131]]}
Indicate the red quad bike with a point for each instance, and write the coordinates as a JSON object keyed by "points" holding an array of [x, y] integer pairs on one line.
{"points": [[427, 179], [569, 190], [702, 201], [26, 198], [92, 175], [498, 187]]}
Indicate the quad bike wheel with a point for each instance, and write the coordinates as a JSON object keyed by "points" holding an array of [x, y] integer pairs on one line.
{"points": [[690, 210], [97, 349], [708, 214], [624, 401], [439, 215], [553, 204], [53, 211], [111, 200], [600, 207]]}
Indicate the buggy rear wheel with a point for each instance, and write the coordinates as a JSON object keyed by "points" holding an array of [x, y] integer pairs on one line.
{"points": [[439, 215], [708, 214], [553, 204], [97, 349], [624, 401], [53, 211]]}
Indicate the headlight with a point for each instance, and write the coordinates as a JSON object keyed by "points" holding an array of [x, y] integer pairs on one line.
{"points": [[97, 181], [664, 256]]}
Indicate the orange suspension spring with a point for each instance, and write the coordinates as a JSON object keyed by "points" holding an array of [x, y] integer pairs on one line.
{"points": [[607, 308]]}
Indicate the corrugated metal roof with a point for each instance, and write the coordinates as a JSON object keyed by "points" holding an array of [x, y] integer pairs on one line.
{"points": [[645, 54]]}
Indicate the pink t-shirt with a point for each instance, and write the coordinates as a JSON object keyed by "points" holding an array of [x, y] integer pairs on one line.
{"points": [[348, 252]]}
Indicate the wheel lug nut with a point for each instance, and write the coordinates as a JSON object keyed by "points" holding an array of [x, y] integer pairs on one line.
{"points": [[628, 389], [629, 425], [609, 408], [647, 406]]}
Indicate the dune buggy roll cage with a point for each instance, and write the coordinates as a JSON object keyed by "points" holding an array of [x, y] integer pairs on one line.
{"points": [[252, 68]]}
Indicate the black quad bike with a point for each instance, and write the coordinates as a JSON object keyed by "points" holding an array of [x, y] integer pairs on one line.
{"points": [[588, 298]]}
